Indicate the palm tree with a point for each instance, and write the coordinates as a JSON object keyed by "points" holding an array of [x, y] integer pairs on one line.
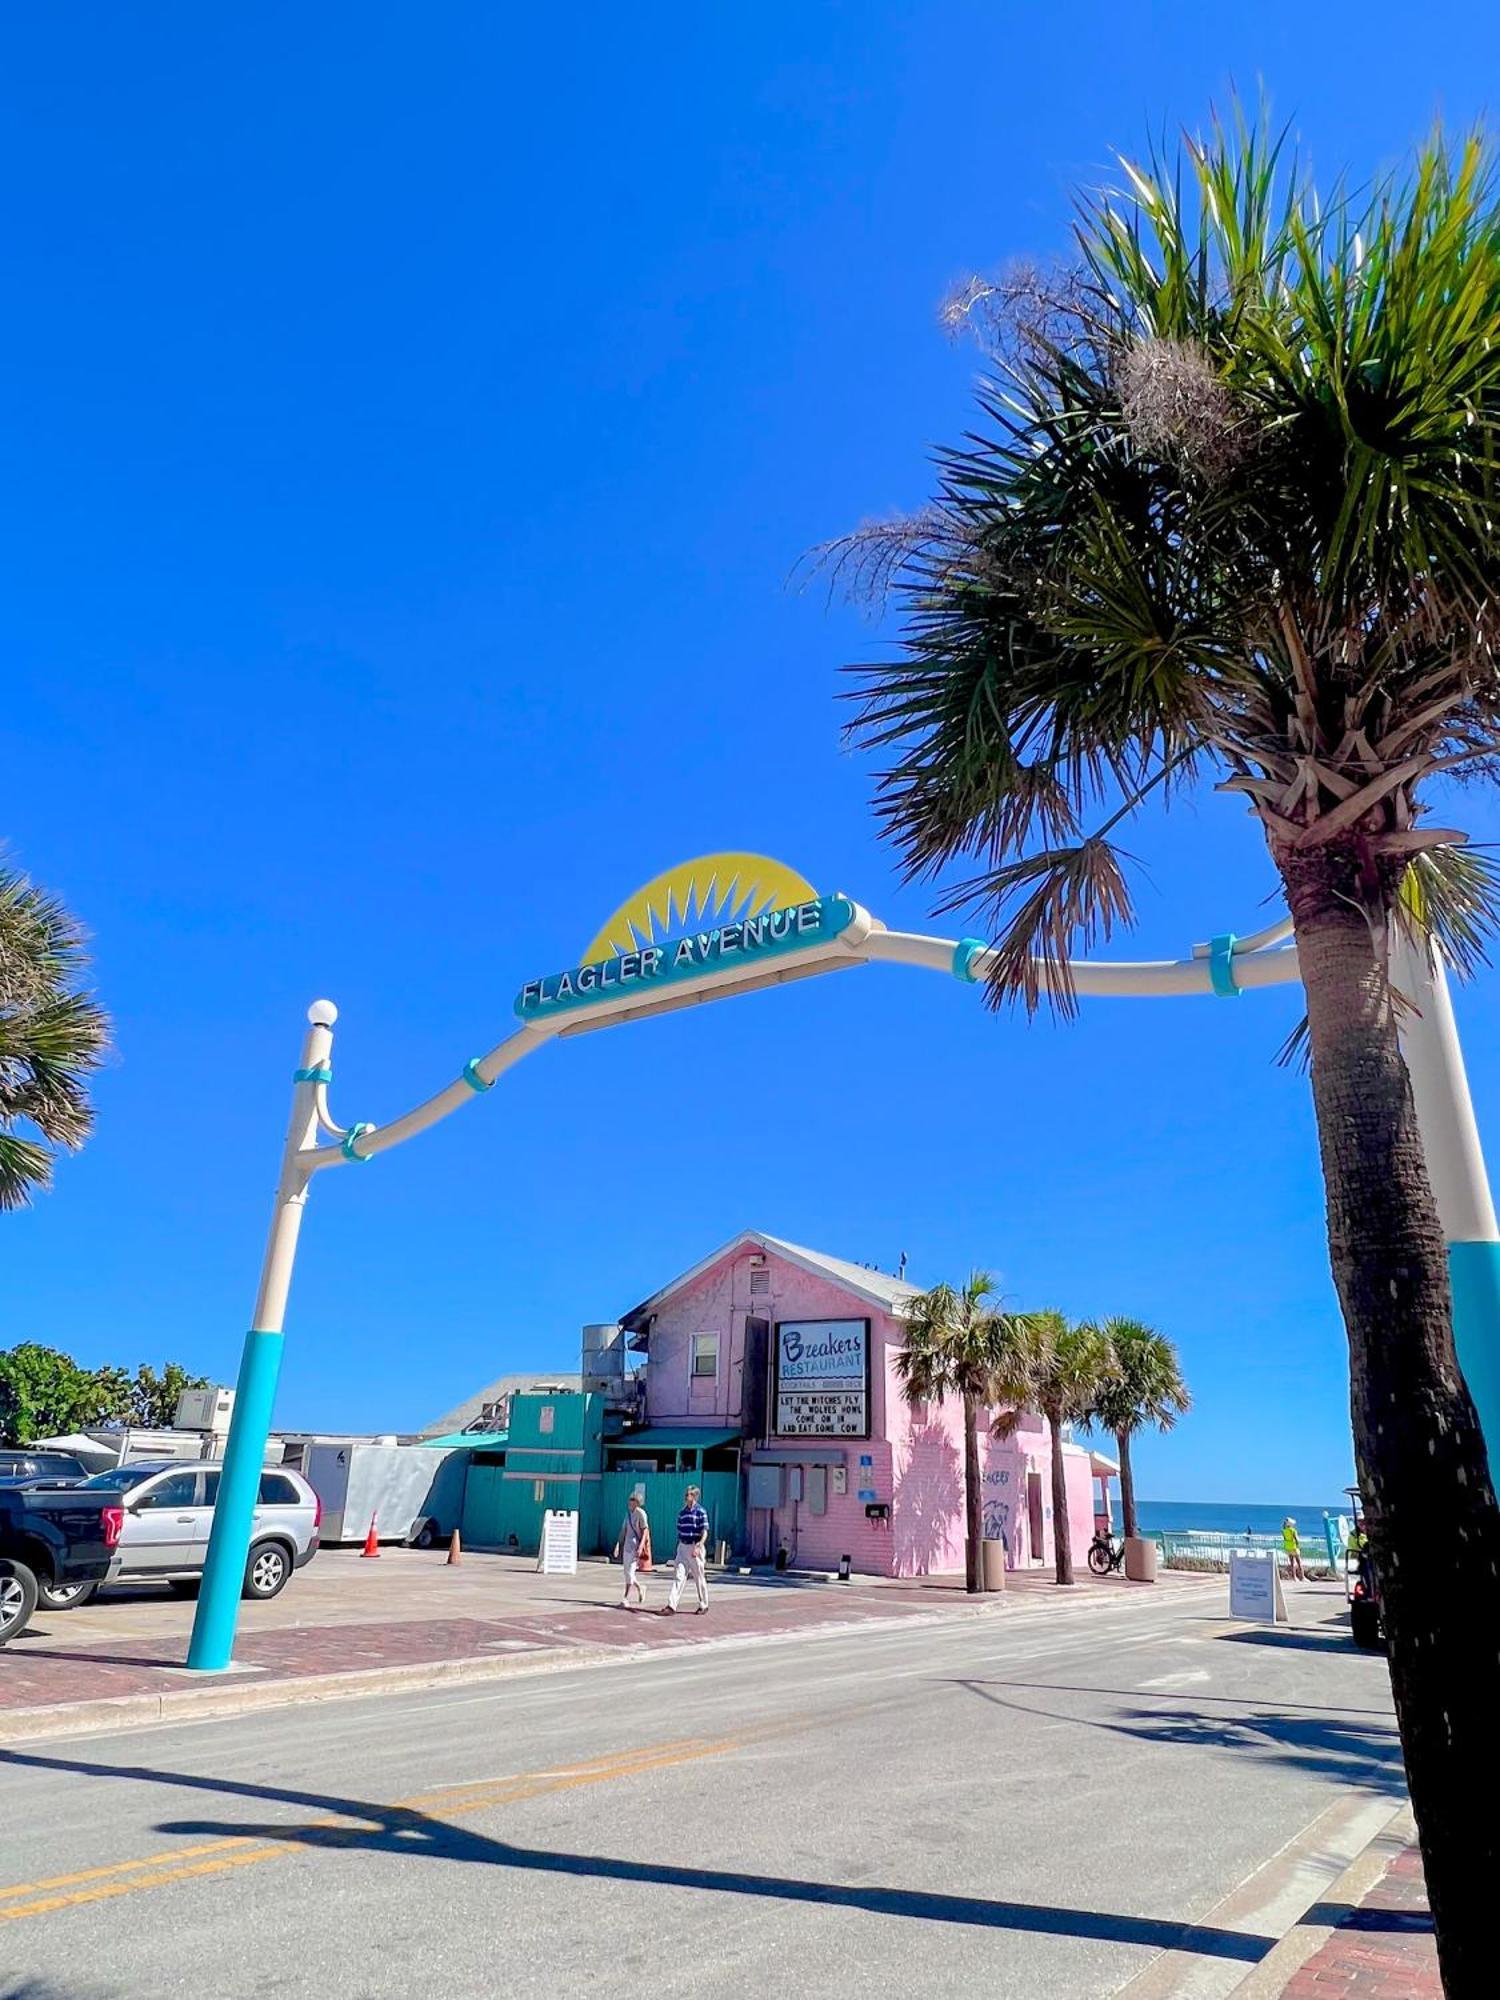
{"points": [[53, 1036], [1231, 513], [1061, 1368], [957, 1344], [1146, 1387]]}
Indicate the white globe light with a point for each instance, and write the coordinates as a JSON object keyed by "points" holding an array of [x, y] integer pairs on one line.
{"points": [[322, 1013]]}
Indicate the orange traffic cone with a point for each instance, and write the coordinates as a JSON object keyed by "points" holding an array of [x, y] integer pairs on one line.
{"points": [[455, 1549], [372, 1543]]}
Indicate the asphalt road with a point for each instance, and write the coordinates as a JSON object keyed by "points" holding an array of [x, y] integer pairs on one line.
{"points": [[1039, 1804]]}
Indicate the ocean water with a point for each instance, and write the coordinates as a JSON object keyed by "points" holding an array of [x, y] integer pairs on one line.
{"points": [[1226, 1518]]}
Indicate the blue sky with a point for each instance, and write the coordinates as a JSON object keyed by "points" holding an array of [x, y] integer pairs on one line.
{"points": [[411, 420]]}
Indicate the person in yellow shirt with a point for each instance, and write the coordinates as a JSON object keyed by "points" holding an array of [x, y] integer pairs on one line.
{"points": [[1292, 1543]]}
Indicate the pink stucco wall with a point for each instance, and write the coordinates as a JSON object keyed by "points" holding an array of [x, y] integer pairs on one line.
{"points": [[917, 1456]]}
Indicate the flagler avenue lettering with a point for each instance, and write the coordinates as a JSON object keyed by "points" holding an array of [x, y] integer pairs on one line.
{"points": [[773, 931]]}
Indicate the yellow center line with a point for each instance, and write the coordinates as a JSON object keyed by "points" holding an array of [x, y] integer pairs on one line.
{"points": [[117, 1868], [155, 1871]]}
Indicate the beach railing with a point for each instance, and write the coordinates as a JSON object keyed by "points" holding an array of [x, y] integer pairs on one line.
{"points": [[1211, 1548]]}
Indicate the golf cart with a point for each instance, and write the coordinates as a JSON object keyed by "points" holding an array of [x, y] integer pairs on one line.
{"points": [[1361, 1587]]}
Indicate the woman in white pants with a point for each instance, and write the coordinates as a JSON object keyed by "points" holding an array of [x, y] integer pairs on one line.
{"points": [[634, 1549]]}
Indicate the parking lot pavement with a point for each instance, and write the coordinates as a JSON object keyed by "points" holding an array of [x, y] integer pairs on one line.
{"points": [[344, 1618]]}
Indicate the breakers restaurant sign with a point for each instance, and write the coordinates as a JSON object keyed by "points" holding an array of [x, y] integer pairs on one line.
{"points": [[820, 1378], [770, 912]]}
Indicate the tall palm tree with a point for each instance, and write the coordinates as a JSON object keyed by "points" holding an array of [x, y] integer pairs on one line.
{"points": [[958, 1344], [1231, 513], [1061, 1368], [53, 1036], [1146, 1387]]}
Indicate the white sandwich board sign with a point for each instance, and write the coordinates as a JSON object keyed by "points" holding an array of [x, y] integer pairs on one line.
{"points": [[1255, 1588], [559, 1553]]}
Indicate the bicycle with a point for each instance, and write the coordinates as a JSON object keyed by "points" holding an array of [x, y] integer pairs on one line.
{"points": [[1105, 1555]]}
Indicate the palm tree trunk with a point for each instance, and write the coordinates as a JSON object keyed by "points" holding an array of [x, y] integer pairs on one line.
{"points": [[973, 1514], [1127, 1485], [1430, 1504], [1062, 1527]]}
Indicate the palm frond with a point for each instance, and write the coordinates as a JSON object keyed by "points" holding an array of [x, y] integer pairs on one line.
{"points": [[1295, 1052], [865, 566], [1230, 507], [1144, 1383], [53, 1035], [1043, 906], [1452, 894], [25, 1170]]}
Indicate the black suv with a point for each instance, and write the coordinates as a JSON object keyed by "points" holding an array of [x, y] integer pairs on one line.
{"points": [[16, 1465]]}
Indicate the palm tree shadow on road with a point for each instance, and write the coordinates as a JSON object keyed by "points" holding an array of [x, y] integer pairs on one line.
{"points": [[405, 1831], [1354, 1748]]}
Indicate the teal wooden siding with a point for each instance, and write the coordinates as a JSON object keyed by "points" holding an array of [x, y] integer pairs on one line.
{"points": [[664, 1490]]}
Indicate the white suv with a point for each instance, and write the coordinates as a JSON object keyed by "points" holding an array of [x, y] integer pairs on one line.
{"points": [[169, 1510]]}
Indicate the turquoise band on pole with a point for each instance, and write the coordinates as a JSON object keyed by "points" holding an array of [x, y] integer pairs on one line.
{"points": [[1474, 1273], [212, 1644], [319, 1073], [964, 954], [472, 1077], [347, 1149], [1221, 966]]}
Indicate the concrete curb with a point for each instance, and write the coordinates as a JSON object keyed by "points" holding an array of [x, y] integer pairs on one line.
{"points": [[202, 1703], [1321, 1919], [1292, 1901]]}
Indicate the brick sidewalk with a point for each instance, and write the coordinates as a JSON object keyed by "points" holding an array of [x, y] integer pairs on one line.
{"points": [[344, 1617], [1384, 1950]]}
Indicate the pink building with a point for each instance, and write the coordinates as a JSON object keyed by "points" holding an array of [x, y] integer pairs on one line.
{"points": [[794, 1352]]}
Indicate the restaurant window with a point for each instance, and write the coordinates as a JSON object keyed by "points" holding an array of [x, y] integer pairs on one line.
{"points": [[705, 1355]]}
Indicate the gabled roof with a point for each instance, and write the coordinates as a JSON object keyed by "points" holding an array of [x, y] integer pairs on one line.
{"points": [[877, 1288], [463, 1414]]}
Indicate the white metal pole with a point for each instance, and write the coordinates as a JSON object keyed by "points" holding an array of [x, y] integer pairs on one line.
{"points": [[1455, 1163], [212, 1646]]}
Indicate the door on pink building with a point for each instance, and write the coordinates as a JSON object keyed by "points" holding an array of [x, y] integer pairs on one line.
{"points": [[1036, 1535]]}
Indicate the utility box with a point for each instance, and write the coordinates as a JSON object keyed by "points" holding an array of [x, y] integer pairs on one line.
{"points": [[205, 1410]]}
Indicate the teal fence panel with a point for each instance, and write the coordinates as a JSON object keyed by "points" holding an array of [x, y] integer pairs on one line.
{"points": [[481, 1511], [497, 1507], [664, 1491]]}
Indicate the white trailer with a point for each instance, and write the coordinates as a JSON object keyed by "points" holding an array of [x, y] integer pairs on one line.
{"points": [[401, 1488]]}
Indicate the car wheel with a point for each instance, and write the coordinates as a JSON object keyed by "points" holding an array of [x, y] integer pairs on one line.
{"points": [[1364, 1624], [184, 1586], [63, 1596], [267, 1570], [17, 1598], [425, 1537]]}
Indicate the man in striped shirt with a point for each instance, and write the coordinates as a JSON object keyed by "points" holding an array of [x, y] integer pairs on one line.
{"points": [[692, 1554]]}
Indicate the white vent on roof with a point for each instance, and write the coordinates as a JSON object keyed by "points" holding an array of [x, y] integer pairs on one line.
{"points": [[760, 1279]]}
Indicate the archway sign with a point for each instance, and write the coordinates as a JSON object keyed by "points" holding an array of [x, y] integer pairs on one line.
{"points": [[734, 923]]}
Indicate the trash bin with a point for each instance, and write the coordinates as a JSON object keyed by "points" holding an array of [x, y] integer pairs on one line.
{"points": [[992, 1565], [1140, 1558]]}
